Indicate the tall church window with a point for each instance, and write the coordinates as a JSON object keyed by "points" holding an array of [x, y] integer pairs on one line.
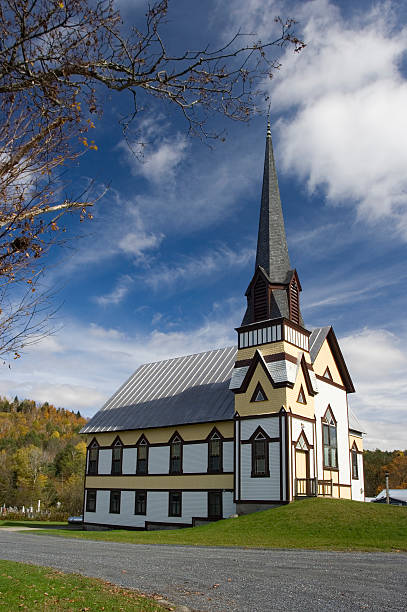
{"points": [[117, 456], [355, 468], [329, 437], [140, 505], [215, 453], [93, 457], [114, 505], [176, 455], [260, 455], [142, 457], [175, 503]]}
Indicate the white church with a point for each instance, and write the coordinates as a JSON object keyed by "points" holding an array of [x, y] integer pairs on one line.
{"points": [[233, 430]]}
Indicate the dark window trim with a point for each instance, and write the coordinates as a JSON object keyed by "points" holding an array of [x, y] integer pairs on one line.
{"points": [[117, 443], [143, 442], [93, 445], [114, 492], [219, 515], [354, 461], [136, 493], [266, 439], [92, 491], [170, 493], [256, 391], [301, 399], [171, 443], [215, 431]]}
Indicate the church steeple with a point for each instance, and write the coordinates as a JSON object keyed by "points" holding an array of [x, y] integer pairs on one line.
{"points": [[272, 252], [274, 290]]}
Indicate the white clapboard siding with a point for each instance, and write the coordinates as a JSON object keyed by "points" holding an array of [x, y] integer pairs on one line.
{"points": [[229, 507], [237, 465], [195, 458], [336, 398], [129, 460], [159, 460], [105, 461], [270, 426], [358, 492], [298, 426], [260, 488], [228, 456]]}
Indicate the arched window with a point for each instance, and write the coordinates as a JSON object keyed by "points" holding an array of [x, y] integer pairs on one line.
{"points": [[93, 457], [176, 455], [142, 456], [215, 453], [117, 456], [329, 439]]}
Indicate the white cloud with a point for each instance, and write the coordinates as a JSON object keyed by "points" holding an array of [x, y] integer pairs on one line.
{"points": [[118, 293], [158, 159], [95, 361], [348, 99], [377, 361], [193, 270]]}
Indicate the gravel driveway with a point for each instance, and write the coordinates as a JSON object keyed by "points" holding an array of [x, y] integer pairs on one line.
{"points": [[228, 579]]}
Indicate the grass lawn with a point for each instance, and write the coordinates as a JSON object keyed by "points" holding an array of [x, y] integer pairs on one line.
{"points": [[326, 524], [27, 587]]}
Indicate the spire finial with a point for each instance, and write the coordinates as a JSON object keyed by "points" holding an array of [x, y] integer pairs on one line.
{"points": [[268, 122]]}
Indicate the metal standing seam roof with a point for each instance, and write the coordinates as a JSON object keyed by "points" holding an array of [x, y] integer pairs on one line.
{"points": [[189, 389]]}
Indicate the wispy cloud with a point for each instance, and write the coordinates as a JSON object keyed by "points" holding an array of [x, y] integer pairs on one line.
{"points": [[193, 270], [118, 293]]}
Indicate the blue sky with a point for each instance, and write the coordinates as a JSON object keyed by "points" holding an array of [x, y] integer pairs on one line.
{"points": [[162, 269]]}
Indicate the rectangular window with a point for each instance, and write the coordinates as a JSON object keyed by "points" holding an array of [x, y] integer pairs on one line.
{"points": [[260, 466], [117, 454], [93, 461], [215, 455], [140, 506], [175, 503], [215, 504], [176, 457], [142, 459], [114, 507], [355, 470], [91, 500]]}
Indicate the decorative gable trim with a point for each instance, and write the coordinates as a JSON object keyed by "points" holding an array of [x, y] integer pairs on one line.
{"points": [[117, 442], [259, 433], [305, 372], [329, 416], [302, 442], [142, 441], [93, 443], [258, 358], [259, 395], [213, 433]]}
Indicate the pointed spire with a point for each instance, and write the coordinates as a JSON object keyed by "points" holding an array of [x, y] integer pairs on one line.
{"points": [[272, 252]]}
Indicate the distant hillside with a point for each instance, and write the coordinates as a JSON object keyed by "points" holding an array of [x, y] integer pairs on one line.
{"points": [[42, 456], [377, 463]]}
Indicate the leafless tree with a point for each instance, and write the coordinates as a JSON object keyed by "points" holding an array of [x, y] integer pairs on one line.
{"points": [[57, 59]]}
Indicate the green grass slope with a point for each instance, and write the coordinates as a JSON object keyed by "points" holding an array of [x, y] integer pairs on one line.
{"points": [[330, 524]]}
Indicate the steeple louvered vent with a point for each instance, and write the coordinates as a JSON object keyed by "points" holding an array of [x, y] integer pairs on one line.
{"points": [[294, 302], [260, 300]]}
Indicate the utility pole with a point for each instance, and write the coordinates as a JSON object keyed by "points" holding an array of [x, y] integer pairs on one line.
{"points": [[386, 474]]}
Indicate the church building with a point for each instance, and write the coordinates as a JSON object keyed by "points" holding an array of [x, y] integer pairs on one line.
{"points": [[232, 430]]}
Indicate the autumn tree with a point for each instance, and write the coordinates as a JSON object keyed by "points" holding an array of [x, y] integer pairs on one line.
{"points": [[397, 469], [57, 60]]}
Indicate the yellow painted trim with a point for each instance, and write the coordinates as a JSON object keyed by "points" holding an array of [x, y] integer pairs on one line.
{"points": [[160, 435], [277, 397], [357, 440], [184, 481], [325, 359]]}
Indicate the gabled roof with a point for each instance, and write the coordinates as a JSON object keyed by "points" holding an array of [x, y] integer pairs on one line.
{"points": [[189, 389], [354, 424], [316, 340]]}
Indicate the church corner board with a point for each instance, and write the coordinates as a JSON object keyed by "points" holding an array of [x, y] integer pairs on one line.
{"points": [[232, 430]]}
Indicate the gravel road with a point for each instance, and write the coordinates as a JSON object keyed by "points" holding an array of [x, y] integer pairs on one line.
{"points": [[228, 579]]}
